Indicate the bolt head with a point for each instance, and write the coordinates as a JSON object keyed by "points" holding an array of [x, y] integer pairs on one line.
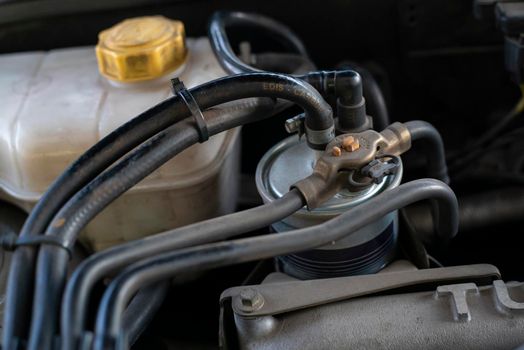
{"points": [[250, 300]]}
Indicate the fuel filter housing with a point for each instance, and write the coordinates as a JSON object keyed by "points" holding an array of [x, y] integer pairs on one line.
{"points": [[366, 251]]}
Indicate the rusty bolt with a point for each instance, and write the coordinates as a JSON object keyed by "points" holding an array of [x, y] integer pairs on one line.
{"points": [[350, 144], [250, 300], [336, 151]]}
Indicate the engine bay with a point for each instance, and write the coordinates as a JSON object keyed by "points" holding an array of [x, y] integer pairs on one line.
{"points": [[234, 175]]}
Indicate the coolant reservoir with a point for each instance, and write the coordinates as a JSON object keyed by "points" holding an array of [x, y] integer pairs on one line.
{"points": [[57, 104]]}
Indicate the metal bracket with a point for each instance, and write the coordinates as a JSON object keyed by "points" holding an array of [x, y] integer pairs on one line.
{"points": [[325, 180], [295, 295]]}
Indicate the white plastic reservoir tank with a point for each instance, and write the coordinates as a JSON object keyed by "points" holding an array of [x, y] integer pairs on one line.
{"points": [[56, 104]]}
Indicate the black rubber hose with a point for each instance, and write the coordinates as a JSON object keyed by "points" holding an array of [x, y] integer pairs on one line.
{"points": [[114, 146], [52, 261], [81, 208], [220, 43], [123, 287], [476, 211], [434, 148], [376, 105], [345, 84], [142, 309], [83, 170], [118, 143], [283, 63], [100, 265]]}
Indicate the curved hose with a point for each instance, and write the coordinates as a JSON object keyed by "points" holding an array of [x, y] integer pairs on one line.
{"points": [[283, 62], [121, 141], [52, 261], [375, 102], [222, 49], [142, 309], [217, 92], [102, 191], [477, 211], [345, 84], [76, 296], [435, 153], [81, 208], [109, 319]]}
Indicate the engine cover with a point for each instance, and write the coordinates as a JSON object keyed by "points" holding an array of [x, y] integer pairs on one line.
{"points": [[307, 315]]}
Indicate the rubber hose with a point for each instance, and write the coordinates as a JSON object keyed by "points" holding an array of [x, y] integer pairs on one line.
{"points": [[376, 105], [76, 296], [222, 49], [52, 260], [476, 211], [348, 83], [123, 287], [142, 309], [118, 143], [283, 63], [434, 148]]}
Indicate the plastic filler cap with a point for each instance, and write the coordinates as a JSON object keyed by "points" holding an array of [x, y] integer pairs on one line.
{"points": [[141, 48]]}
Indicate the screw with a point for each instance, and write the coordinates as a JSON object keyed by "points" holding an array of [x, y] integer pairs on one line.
{"points": [[350, 144], [250, 300]]}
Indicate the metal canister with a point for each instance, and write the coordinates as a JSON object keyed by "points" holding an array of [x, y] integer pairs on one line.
{"points": [[364, 251]]}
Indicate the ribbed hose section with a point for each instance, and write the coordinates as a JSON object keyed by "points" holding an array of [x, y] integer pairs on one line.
{"points": [[52, 261], [366, 258]]}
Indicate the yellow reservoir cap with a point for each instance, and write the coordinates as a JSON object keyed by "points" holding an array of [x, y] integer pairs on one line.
{"points": [[141, 48]]}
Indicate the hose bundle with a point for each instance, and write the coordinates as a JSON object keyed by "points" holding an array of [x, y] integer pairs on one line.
{"points": [[37, 277]]}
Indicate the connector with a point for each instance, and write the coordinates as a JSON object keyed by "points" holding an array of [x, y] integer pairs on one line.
{"points": [[330, 174], [346, 86]]}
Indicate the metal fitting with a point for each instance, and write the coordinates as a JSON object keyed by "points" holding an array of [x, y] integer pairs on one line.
{"points": [[318, 139], [295, 124], [330, 174]]}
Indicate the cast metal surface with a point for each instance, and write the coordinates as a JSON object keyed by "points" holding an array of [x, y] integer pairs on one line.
{"points": [[418, 320], [294, 295]]}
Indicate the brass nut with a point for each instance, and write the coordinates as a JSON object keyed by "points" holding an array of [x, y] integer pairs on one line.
{"points": [[350, 144], [336, 151]]}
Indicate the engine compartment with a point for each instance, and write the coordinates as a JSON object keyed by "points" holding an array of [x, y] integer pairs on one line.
{"points": [[334, 243]]}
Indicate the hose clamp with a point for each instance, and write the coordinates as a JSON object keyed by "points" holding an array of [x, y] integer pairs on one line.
{"points": [[185, 95], [11, 241], [320, 138]]}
